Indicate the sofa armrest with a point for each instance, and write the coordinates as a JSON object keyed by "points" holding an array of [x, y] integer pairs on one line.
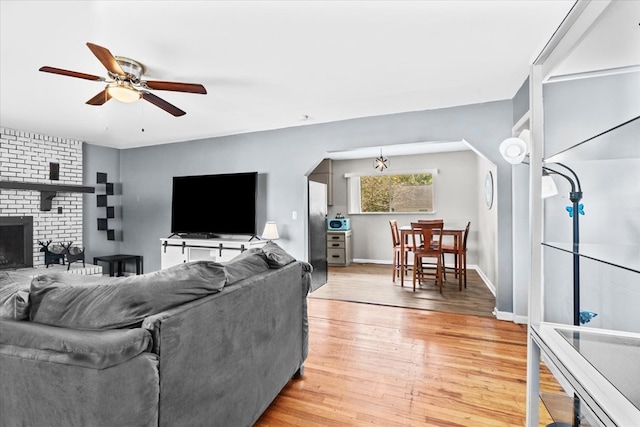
{"points": [[235, 349], [89, 349]]}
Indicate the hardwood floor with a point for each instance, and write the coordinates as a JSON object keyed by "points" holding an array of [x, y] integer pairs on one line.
{"points": [[372, 283], [390, 366]]}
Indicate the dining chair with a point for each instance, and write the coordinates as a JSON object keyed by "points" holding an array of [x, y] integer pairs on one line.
{"points": [[431, 221], [459, 255], [399, 257], [427, 257]]}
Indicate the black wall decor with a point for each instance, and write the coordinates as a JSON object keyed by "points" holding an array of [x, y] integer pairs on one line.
{"points": [[102, 201], [54, 171]]}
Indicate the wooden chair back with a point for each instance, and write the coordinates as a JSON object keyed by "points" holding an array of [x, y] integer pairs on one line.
{"points": [[431, 221], [427, 232], [395, 233], [466, 234], [430, 234]]}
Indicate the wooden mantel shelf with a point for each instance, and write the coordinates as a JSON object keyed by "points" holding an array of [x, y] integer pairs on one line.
{"points": [[47, 191], [19, 185]]}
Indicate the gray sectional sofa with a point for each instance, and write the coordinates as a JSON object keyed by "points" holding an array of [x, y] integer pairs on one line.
{"points": [[199, 344]]}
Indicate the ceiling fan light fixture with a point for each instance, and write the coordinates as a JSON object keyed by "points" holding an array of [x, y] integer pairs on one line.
{"points": [[125, 84], [123, 92]]}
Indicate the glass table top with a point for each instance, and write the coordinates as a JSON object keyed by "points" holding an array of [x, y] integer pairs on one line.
{"points": [[616, 358]]}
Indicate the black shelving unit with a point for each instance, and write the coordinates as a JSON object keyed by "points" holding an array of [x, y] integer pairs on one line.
{"points": [[102, 201]]}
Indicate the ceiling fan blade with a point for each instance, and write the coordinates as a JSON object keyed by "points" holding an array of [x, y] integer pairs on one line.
{"points": [[107, 59], [100, 98], [60, 71], [159, 102], [175, 86]]}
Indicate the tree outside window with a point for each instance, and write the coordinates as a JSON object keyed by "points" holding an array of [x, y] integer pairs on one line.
{"points": [[397, 193]]}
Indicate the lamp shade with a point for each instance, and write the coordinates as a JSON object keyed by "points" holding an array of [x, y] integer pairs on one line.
{"points": [[270, 231], [549, 188], [123, 92], [513, 150]]}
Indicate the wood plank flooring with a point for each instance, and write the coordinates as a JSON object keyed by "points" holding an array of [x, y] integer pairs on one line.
{"points": [[373, 284], [391, 366], [379, 364]]}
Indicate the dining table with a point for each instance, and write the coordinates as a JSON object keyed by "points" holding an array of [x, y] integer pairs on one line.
{"points": [[454, 230]]}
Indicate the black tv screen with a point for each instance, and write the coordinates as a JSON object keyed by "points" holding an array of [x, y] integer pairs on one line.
{"points": [[214, 204]]}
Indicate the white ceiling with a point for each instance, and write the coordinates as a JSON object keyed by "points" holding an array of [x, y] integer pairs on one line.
{"points": [[265, 64]]}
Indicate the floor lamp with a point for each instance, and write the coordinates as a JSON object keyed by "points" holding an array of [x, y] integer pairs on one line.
{"points": [[514, 150], [576, 210]]}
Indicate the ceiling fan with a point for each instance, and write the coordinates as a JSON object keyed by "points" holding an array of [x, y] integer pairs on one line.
{"points": [[124, 81]]}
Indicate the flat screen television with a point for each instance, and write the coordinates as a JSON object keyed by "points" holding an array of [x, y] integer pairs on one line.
{"points": [[211, 205]]}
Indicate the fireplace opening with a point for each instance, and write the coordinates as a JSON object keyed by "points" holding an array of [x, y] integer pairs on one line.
{"points": [[16, 242]]}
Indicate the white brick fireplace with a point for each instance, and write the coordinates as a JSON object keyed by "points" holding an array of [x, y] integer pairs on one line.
{"points": [[27, 157]]}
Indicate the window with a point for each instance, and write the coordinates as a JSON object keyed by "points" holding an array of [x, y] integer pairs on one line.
{"points": [[410, 192]]}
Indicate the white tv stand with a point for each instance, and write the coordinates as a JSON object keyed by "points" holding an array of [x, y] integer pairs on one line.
{"points": [[176, 250]]}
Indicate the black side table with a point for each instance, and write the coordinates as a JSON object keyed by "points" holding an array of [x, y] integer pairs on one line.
{"points": [[120, 260]]}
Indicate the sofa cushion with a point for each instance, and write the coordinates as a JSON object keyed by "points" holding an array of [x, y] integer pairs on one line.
{"points": [[90, 349], [247, 264], [276, 256], [14, 295], [85, 302]]}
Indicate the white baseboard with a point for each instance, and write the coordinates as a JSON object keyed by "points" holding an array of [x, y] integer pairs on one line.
{"points": [[503, 315], [521, 320], [484, 278], [372, 261]]}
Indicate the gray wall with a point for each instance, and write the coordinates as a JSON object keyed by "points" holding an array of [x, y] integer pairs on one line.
{"points": [[521, 101], [285, 156], [107, 160], [521, 242], [492, 229], [520, 207], [455, 200]]}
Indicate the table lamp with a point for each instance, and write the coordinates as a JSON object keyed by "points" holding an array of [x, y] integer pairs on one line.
{"points": [[270, 231]]}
